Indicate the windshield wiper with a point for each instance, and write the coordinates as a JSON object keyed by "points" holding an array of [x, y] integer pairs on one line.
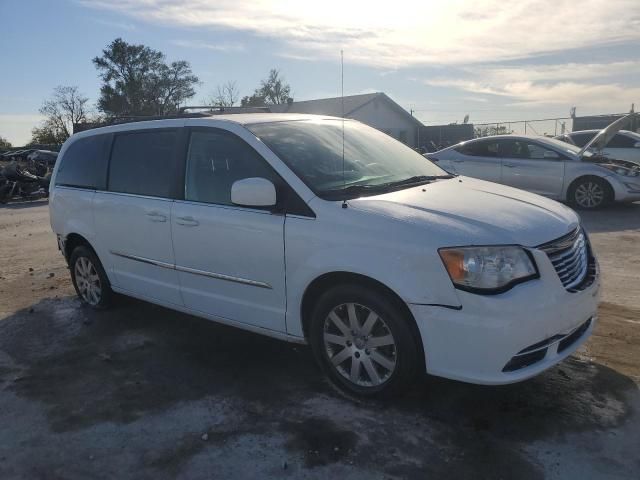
{"points": [[356, 190], [417, 180]]}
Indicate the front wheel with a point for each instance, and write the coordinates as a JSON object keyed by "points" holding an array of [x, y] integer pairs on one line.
{"points": [[89, 278], [363, 341], [590, 193]]}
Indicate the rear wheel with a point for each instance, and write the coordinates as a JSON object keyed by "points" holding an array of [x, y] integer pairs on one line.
{"points": [[89, 278], [363, 342], [590, 193]]}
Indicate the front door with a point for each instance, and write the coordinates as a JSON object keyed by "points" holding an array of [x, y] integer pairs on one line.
{"points": [[478, 159], [530, 166], [229, 259]]}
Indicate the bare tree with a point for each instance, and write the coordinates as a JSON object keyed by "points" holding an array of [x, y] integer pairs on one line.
{"points": [[227, 95], [66, 107], [4, 143]]}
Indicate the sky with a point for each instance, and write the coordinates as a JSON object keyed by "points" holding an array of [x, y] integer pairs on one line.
{"points": [[494, 60]]}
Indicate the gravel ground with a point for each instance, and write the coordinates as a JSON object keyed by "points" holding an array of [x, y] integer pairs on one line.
{"points": [[143, 392]]}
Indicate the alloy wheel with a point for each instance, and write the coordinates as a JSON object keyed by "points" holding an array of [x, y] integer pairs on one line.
{"points": [[589, 195], [359, 345], [88, 281]]}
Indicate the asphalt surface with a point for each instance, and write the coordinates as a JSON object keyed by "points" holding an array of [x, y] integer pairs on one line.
{"points": [[140, 391]]}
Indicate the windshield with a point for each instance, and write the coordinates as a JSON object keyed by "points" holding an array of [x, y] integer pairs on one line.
{"points": [[373, 161]]}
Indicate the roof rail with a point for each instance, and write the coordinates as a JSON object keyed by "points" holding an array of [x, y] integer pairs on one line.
{"points": [[212, 109], [182, 113]]}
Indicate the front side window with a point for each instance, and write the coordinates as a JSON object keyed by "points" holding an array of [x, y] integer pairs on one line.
{"points": [[373, 161], [144, 163], [83, 165], [215, 161], [525, 150]]}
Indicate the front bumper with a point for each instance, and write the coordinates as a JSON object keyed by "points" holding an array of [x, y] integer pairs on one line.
{"points": [[477, 343], [625, 189]]}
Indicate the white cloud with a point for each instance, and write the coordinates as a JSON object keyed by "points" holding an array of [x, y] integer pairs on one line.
{"points": [[585, 85], [405, 33], [218, 47], [129, 27]]}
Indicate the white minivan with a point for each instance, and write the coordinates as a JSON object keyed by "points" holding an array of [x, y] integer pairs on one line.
{"points": [[325, 231]]}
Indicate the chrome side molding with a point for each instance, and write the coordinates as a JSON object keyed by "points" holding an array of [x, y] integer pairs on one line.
{"points": [[218, 276]]}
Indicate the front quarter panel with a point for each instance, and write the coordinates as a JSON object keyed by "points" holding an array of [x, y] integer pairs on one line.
{"points": [[399, 255]]}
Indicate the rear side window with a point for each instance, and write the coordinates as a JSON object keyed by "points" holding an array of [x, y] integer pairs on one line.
{"points": [[483, 148], [84, 163], [144, 163], [621, 141], [581, 139]]}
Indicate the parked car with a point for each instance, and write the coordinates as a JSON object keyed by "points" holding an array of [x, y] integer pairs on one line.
{"points": [[547, 167], [624, 145], [317, 230]]}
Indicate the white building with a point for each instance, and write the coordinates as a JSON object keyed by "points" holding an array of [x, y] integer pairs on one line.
{"points": [[374, 109]]}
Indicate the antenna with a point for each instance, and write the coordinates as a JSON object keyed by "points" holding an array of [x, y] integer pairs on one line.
{"points": [[344, 180]]}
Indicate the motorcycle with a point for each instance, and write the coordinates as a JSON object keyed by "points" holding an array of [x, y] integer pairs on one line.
{"points": [[19, 183]]}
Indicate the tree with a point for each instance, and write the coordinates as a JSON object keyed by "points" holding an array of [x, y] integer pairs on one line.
{"points": [[4, 143], [226, 95], [137, 81], [255, 100], [66, 107], [485, 131], [272, 90]]}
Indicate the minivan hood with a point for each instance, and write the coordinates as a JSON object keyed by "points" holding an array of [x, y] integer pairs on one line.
{"points": [[467, 211]]}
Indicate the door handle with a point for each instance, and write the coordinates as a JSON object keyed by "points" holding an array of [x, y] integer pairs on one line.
{"points": [[187, 221], [508, 165], [459, 161], [156, 217]]}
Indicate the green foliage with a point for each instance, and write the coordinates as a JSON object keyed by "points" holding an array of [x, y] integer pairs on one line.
{"points": [[46, 135], [272, 90], [138, 81]]}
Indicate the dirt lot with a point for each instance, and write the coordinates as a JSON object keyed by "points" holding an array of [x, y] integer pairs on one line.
{"points": [[143, 392]]}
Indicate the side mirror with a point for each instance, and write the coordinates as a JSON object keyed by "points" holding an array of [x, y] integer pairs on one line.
{"points": [[253, 192], [549, 155]]}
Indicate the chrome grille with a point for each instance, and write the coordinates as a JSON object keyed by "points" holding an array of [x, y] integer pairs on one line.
{"points": [[571, 258]]}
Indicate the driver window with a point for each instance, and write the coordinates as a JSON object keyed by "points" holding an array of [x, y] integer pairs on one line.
{"points": [[215, 161]]}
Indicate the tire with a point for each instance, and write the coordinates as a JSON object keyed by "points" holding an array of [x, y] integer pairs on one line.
{"points": [[89, 278], [383, 356], [4, 193], [590, 193]]}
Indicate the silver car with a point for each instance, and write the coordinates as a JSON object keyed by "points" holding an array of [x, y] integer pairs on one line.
{"points": [[547, 167], [625, 145]]}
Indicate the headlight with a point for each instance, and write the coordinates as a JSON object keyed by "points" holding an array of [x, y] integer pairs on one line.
{"points": [[488, 269], [624, 171]]}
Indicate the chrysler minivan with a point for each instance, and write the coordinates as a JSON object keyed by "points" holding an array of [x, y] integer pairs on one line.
{"points": [[325, 231]]}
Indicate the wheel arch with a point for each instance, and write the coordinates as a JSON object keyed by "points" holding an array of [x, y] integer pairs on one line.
{"points": [[327, 280], [610, 190], [74, 240]]}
